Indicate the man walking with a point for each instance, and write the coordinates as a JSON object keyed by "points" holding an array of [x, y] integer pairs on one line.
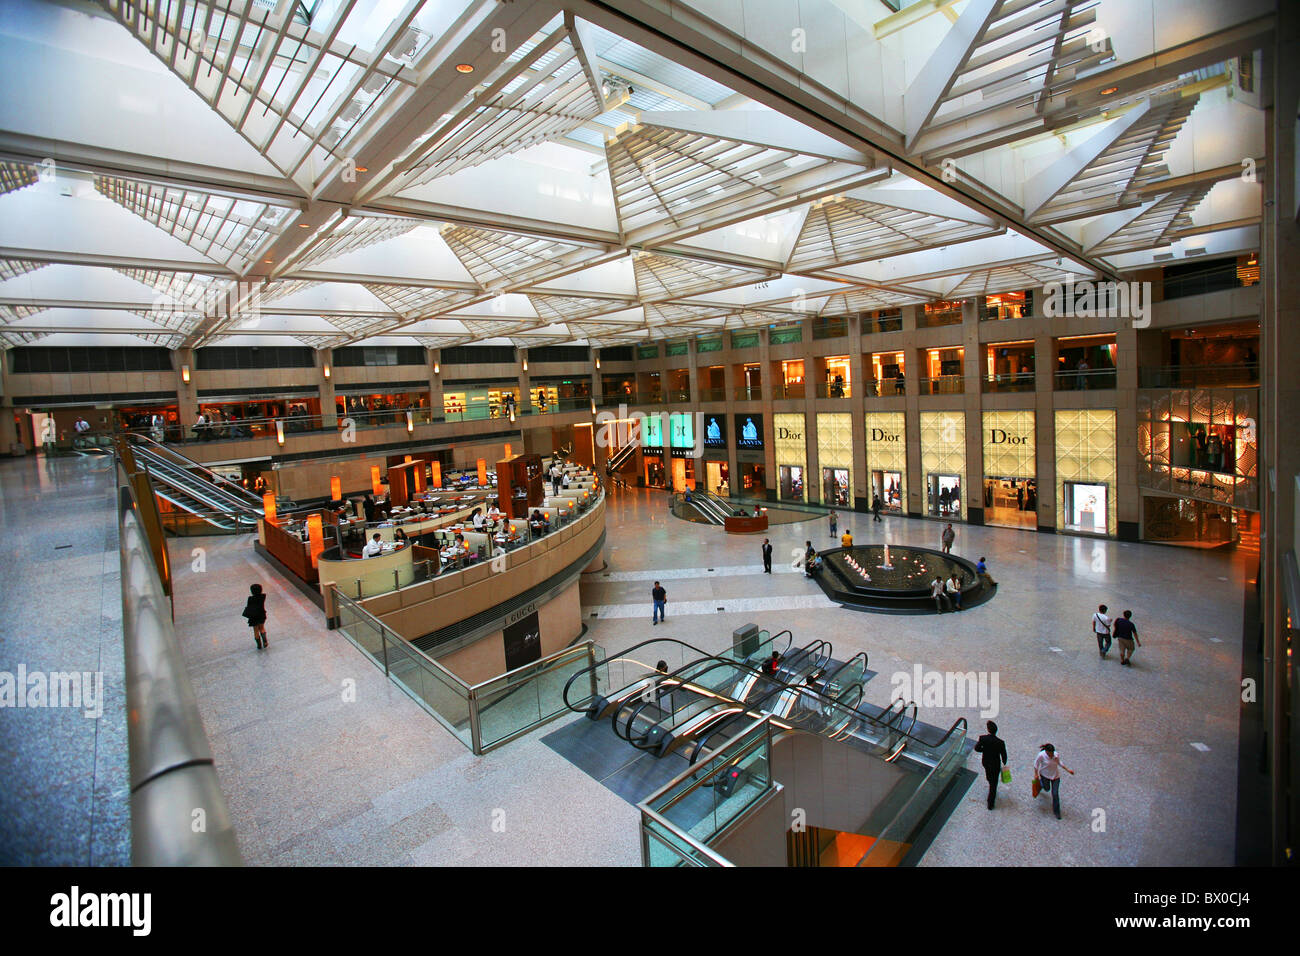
{"points": [[835, 524], [1101, 628], [947, 538], [993, 753], [1125, 635], [767, 556], [555, 479], [660, 598], [875, 507]]}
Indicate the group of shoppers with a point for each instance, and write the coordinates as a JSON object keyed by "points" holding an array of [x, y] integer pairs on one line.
{"points": [[1121, 629], [1047, 768]]}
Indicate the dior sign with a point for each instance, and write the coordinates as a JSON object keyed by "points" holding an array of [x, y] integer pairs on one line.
{"points": [[999, 436], [880, 435]]}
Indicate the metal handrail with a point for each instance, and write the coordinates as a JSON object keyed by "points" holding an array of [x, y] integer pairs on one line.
{"points": [[172, 773]]}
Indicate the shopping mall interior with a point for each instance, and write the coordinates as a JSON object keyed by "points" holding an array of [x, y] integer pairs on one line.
{"points": [[645, 434]]}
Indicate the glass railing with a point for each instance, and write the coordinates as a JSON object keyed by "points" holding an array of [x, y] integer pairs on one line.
{"points": [[942, 385], [895, 839], [789, 390], [713, 395], [1013, 382], [830, 330], [482, 716], [886, 386], [1199, 376], [931, 320], [749, 393], [888, 323], [834, 390], [681, 820], [1079, 380]]}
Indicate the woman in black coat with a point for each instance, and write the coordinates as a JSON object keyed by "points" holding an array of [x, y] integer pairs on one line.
{"points": [[255, 612]]}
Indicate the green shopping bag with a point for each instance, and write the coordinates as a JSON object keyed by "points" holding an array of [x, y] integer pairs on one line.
{"points": [[1006, 774]]}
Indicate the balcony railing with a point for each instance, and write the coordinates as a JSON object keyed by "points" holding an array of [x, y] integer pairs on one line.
{"points": [[713, 394], [749, 393], [1011, 382], [884, 323], [834, 390], [1199, 376], [1081, 380], [678, 396], [884, 387], [790, 390], [942, 385]]}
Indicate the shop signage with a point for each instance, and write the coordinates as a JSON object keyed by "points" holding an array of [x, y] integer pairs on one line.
{"points": [[749, 431], [879, 434], [999, 436], [715, 431], [788, 434], [523, 638]]}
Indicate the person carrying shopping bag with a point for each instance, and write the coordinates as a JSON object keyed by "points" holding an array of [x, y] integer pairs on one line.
{"points": [[1047, 775]]}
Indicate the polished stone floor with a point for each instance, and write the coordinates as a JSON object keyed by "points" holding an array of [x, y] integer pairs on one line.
{"points": [[63, 774], [324, 761]]}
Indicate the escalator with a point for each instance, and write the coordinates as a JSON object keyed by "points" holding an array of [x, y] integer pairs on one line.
{"points": [[195, 489], [702, 698], [620, 458]]}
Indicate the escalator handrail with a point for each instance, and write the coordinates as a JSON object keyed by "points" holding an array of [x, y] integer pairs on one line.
{"points": [[827, 678], [175, 458], [184, 480], [627, 650]]}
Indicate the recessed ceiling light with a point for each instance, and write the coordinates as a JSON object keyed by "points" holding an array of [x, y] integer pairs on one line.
{"points": [[464, 67], [304, 225], [266, 260], [363, 169], [1109, 90]]}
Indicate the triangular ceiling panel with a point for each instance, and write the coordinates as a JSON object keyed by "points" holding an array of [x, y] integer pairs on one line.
{"points": [[669, 179], [660, 276], [14, 176], [413, 300], [283, 288], [13, 268], [13, 337], [865, 300], [1117, 174], [353, 233], [11, 313], [500, 259], [542, 91], [562, 308], [227, 230], [1004, 279], [841, 230], [1169, 214]]}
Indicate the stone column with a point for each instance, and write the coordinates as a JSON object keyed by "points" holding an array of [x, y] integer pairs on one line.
{"points": [[972, 385], [328, 410]]}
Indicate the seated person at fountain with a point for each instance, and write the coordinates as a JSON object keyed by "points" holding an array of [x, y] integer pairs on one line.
{"points": [[937, 592], [952, 588], [846, 539], [812, 561]]}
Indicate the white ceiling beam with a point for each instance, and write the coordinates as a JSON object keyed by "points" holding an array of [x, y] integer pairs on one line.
{"points": [[941, 70], [765, 128]]}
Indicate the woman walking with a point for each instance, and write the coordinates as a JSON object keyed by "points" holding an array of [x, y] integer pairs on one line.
{"points": [[255, 612], [1047, 771]]}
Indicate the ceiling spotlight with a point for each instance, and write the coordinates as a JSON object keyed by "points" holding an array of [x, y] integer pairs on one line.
{"points": [[604, 89], [267, 261], [363, 169], [1109, 90], [464, 67], [304, 225]]}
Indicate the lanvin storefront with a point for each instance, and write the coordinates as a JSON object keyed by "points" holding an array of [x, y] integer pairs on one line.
{"points": [[717, 470], [791, 456], [1010, 470], [751, 455], [887, 459]]}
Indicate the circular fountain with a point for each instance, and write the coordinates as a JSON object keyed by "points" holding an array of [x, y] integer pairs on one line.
{"points": [[895, 578]]}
